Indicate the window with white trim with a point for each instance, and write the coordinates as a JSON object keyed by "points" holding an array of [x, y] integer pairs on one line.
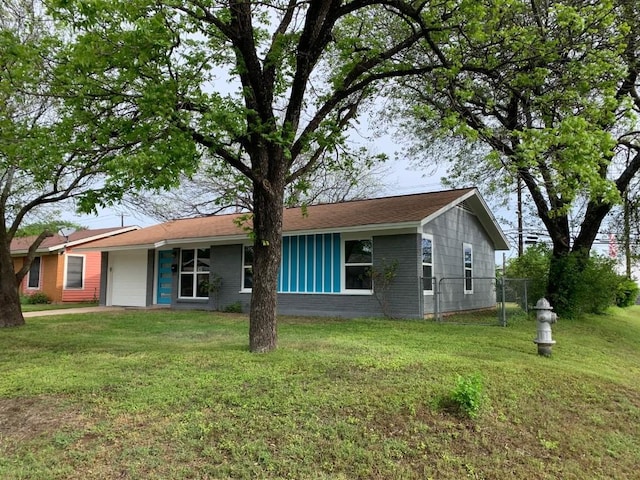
{"points": [[74, 273], [358, 262], [247, 267], [427, 264], [34, 273], [195, 265], [467, 254]]}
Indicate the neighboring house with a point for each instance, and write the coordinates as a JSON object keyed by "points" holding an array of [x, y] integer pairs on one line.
{"points": [[327, 253], [60, 272]]}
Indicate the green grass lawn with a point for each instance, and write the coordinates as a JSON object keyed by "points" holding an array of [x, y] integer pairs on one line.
{"points": [[177, 395]]}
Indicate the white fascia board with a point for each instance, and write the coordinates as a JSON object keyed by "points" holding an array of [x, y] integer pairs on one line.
{"points": [[386, 228], [120, 248], [98, 237], [205, 241]]}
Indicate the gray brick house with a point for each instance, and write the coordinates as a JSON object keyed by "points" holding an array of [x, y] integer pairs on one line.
{"points": [[328, 254]]}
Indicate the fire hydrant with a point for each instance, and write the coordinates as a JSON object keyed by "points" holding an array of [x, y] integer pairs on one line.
{"points": [[544, 317]]}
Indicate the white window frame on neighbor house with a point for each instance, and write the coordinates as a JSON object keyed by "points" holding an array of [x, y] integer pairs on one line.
{"points": [[427, 275], [195, 273], [39, 277], [247, 267], [467, 267], [346, 265], [66, 272]]}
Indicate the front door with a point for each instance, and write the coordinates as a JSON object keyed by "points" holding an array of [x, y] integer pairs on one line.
{"points": [[165, 259]]}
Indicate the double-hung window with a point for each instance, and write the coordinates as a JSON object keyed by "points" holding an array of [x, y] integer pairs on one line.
{"points": [[195, 265], [468, 267], [74, 275], [358, 262], [427, 264], [247, 267], [34, 273]]}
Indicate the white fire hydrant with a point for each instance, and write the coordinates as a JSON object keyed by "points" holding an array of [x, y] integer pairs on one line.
{"points": [[544, 317]]}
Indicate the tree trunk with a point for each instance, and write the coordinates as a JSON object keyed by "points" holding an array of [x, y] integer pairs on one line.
{"points": [[267, 228], [10, 310]]}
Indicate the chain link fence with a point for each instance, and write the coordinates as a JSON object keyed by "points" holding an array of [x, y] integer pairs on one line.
{"points": [[480, 300]]}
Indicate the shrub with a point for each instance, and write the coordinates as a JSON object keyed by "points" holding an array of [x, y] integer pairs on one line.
{"points": [[596, 286], [627, 293], [590, 289], [37, 298], [533, 265], [235, 307], [468, 395]]}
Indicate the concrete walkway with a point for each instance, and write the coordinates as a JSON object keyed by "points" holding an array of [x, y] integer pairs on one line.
{"points": [[71, 311]]}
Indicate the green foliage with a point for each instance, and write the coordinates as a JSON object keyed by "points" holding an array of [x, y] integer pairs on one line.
{"points": [[235, 307], [468, 395], [53, 226], [589, 285], [383, 276], [532, 265], [597, 286], [38, 298], [627, 292]]}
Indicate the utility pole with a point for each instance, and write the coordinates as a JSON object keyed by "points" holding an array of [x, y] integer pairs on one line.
{"points": [[520, 225]]}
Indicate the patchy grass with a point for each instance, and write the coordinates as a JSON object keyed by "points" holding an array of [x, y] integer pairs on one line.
{"points": [[162, 394]]}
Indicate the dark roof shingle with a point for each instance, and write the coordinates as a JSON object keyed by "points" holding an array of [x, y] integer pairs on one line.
{"points": [[356, 213]]}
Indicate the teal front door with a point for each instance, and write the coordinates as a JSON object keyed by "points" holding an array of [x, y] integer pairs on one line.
{"points": [[165, 259]]}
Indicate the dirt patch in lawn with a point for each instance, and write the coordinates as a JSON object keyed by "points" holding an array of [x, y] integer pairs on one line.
{"points": [[23, 419]]}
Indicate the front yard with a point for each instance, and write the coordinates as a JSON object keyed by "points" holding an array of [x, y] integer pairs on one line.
{"points": [[162, 394]]}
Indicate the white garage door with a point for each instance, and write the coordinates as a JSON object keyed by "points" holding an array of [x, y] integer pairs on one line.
{"points": [[127, 279]]}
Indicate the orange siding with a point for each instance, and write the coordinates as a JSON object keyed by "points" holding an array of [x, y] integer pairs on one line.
{"points": [[91, 284], [52, 277], [50, 274], [48, 278]]}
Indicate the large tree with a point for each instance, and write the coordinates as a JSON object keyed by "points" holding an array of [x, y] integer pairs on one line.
{"points": [[47, 155], [263, 87], [550, 87]]}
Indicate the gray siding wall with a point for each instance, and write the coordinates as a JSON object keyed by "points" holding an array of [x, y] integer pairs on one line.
{"points": [[450, 231], [226, 261], [104, 267], [404, 293], [151, 270]]}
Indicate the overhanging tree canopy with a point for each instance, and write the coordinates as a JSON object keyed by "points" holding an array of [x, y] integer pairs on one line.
{"points": [[551, 88], [256, 85], [49, 153]]}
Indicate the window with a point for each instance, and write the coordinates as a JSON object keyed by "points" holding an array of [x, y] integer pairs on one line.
{"points": [[468, 267], [427, 263], [194, 273], [34, 273], [74, 277], [357, 264], [247, 268]]}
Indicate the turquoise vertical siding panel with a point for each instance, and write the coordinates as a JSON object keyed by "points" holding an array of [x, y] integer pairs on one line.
{"points": [[293, 271], [337, 269], [311, 262], [286, 251], [318, 263], [302, 262], [328, 255]]}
